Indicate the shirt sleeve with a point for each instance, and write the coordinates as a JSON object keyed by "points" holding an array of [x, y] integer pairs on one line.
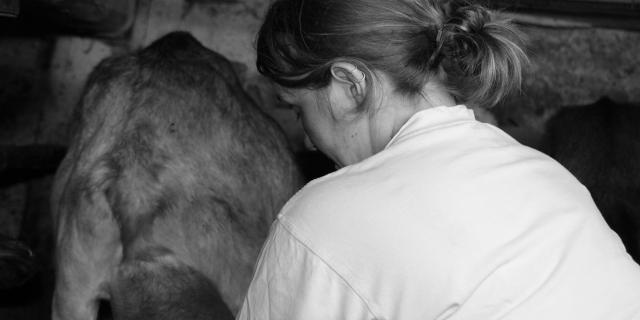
{"points": [[291, 282]]}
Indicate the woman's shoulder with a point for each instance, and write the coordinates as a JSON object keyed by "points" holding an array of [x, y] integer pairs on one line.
{"points": [[333, 205], [325, 194]]}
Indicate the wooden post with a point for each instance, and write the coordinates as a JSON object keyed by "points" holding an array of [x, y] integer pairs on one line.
{"points": [[87, 17]]}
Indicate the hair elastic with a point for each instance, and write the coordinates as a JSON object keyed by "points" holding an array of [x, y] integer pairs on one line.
{"points": [[439, 36], [433, 60]]}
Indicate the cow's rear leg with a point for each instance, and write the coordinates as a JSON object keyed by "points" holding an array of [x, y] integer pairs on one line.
{"points": [[89, 249]]}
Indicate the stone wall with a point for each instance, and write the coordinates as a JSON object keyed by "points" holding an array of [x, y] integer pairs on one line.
{"points": [[573, 67]]}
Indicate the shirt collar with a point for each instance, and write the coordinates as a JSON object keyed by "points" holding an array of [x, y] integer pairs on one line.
{"points": [[431, 118]]}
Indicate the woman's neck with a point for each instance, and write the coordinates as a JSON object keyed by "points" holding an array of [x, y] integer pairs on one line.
{"points": [[395, 110]]}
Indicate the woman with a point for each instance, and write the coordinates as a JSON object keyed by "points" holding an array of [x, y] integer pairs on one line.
{"points": [[433, 214]]}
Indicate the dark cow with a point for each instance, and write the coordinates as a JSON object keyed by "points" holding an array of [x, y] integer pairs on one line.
{"points": [[168, 190], [600, 145]]}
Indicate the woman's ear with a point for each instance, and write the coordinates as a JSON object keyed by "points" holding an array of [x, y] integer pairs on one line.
{"points": [[354, 79]]}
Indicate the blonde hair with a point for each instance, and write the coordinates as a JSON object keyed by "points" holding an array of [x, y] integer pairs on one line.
{"points": [[410, 40]]}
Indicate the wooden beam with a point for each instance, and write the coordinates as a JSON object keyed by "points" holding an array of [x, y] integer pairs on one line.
{"points": [[9, 8], [619, 8], [110, 18], [613, 14]]}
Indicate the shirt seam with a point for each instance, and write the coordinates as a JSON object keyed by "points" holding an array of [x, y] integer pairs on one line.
{"points": [[288, 228]]}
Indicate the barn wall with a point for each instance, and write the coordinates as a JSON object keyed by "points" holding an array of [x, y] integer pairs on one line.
{"points": [[572, 67]]}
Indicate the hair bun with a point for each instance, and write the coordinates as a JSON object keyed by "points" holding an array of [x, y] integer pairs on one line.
{"points": [[482, 57], [469, 18], [464, 31]]}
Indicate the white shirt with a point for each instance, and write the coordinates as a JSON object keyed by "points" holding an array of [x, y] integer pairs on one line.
{"points": [[453, 220]]}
